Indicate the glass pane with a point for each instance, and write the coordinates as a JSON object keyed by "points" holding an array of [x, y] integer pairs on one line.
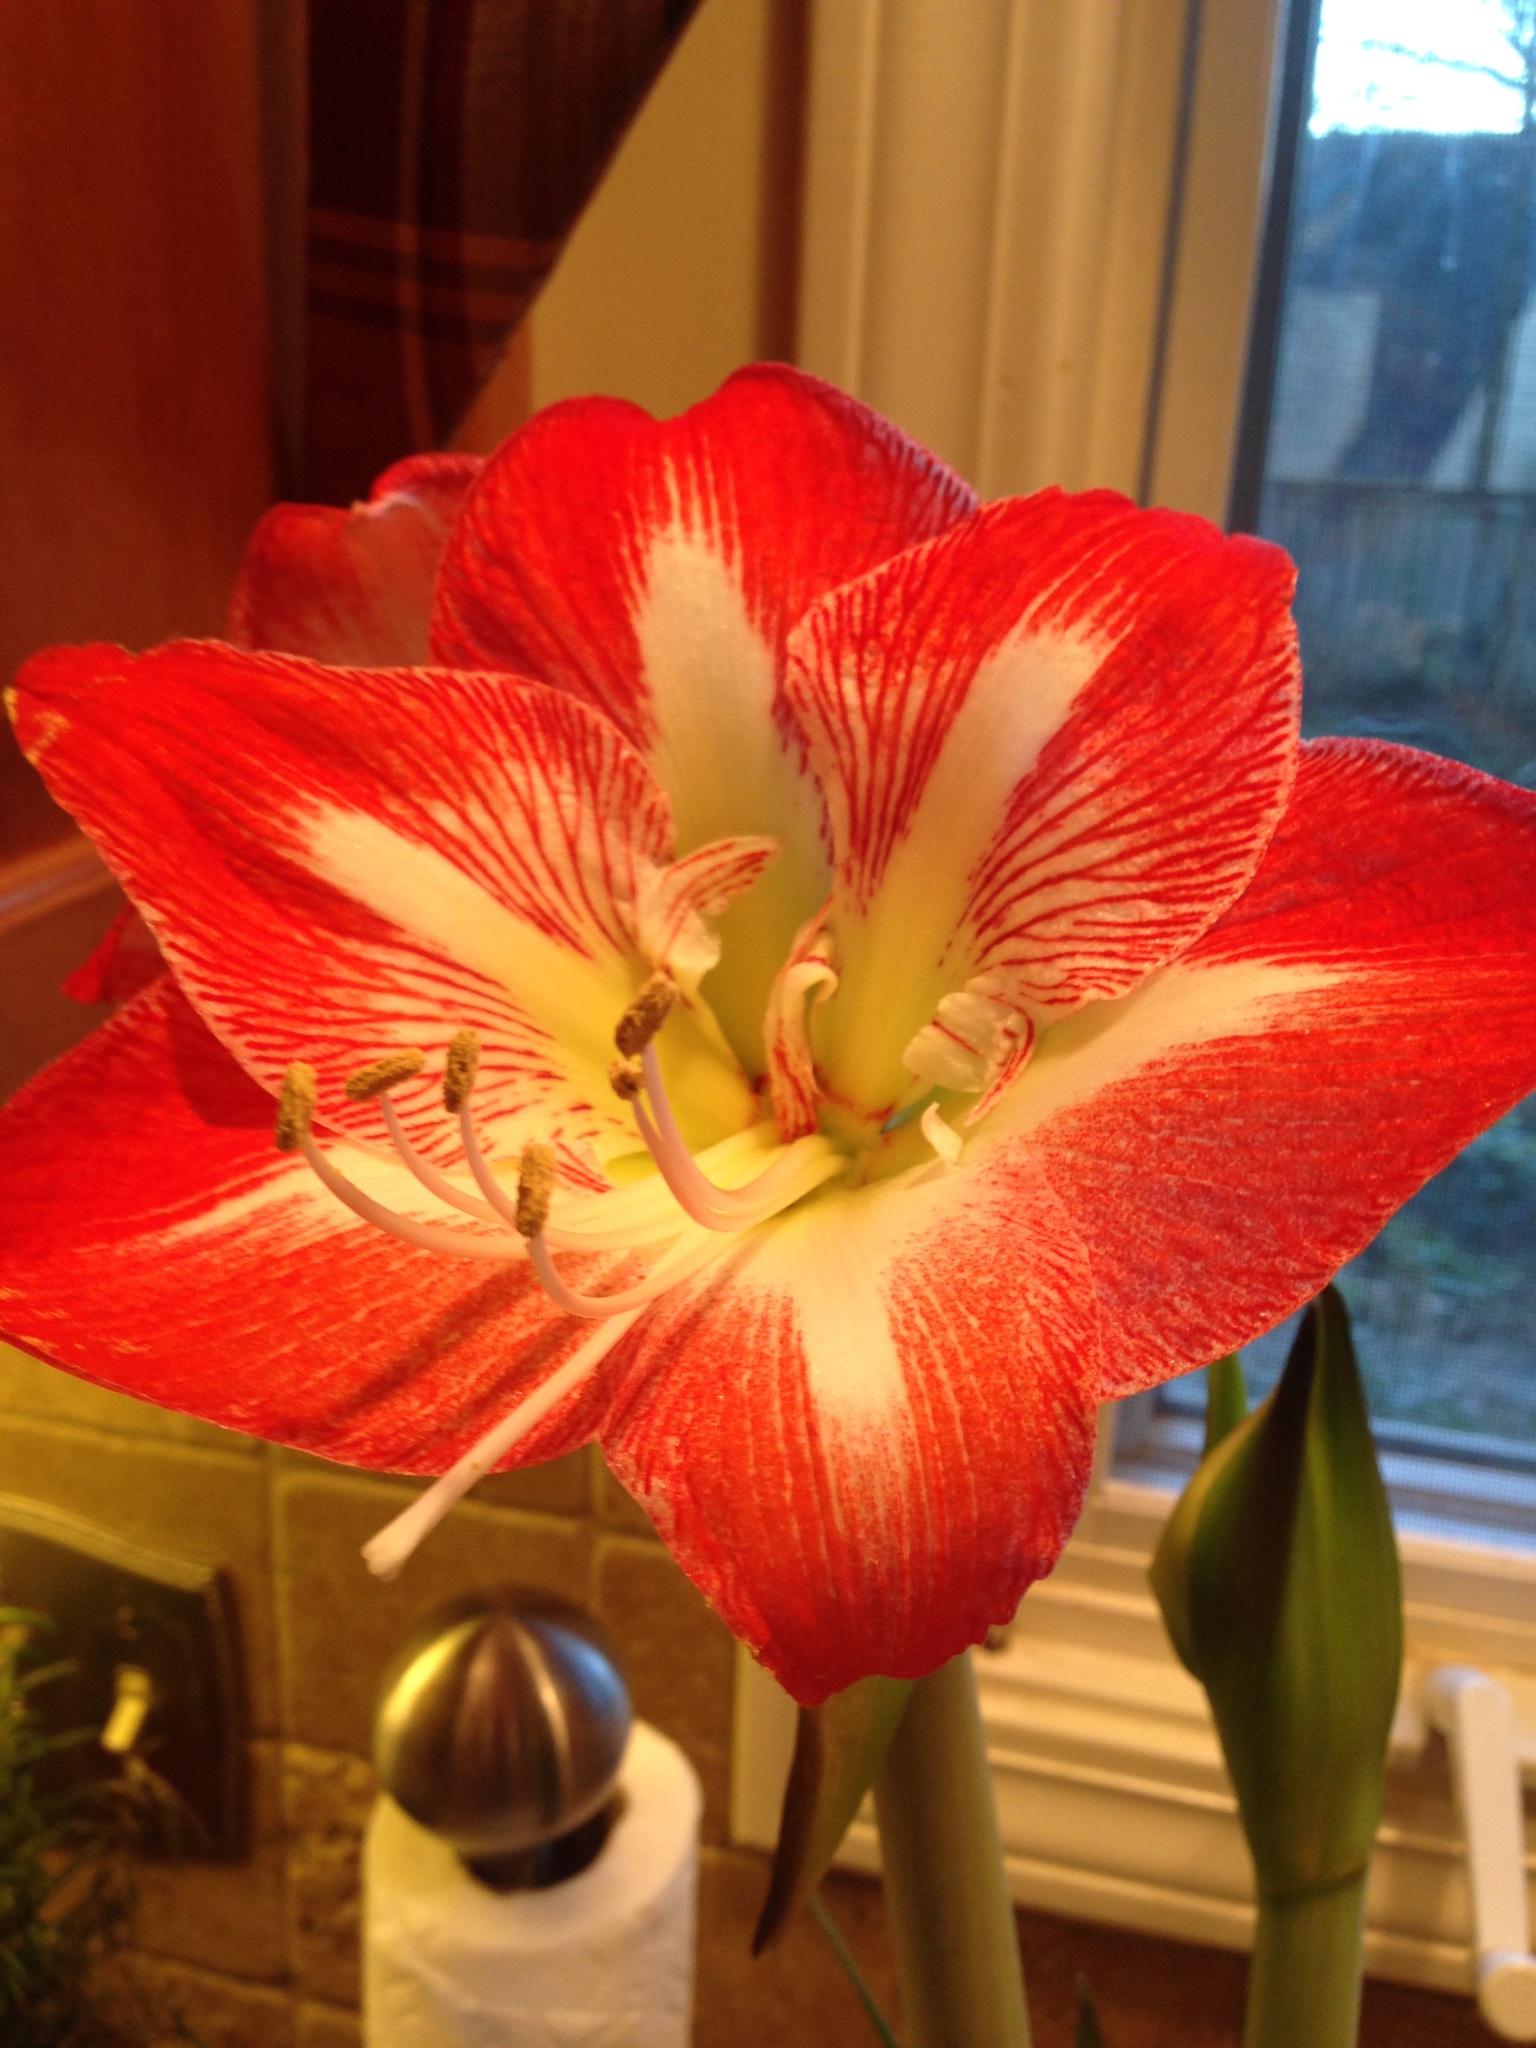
{"points": [[1400, 473]]}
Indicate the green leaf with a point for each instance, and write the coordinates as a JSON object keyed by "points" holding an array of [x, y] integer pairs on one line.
{"points": [[1088, 2034], [839, 1748], [829, 1927], [1278, 1579], [1226, 1399]]}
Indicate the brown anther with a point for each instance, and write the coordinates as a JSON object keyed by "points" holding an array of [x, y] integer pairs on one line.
{"points": [[459, 1074], [535, 1187], [645, 1015], [295, 1106], [382, 1074], [626, 1078]]}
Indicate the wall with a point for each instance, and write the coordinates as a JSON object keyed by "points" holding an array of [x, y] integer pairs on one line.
{"points": [[683, 265]]}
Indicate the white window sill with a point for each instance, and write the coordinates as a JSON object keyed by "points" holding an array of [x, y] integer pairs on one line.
{"points": [[1114, 1802]]}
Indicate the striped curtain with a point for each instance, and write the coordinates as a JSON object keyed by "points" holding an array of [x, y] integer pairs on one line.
{"points": [[452, 146]]}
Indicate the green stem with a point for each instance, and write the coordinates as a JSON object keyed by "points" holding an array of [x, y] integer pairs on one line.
{"points": [[957, 1946], [1304, 1984]]}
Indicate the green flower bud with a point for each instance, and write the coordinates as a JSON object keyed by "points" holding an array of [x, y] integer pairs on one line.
{"points": [[1278, 1579]]}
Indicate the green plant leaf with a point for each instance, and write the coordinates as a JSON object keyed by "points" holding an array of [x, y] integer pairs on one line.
{"points": [[1226, 1399], [829, 1927], [839, 1748], [1088, 2033], [1278, 1579]]}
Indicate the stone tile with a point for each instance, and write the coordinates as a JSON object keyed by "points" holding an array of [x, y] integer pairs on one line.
{"points": [[340, 1626], [680, 1660], [195, 1503], [225, 1916], [219, 2012], [562, 1487], [28, 1387], [797, 1992], [327, 1796], [615, 1507], [327, 2026]]}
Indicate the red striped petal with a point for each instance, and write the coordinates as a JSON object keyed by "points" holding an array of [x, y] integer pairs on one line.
{"points": [[703, 884], [127, 960], [355, 586], [341, 862], [1054, 743], [872, 1433], [805, 981], [1228, 1136]]}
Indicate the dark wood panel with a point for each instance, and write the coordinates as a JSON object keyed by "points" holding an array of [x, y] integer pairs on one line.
{"points": [[55, 905], [133, 405]]}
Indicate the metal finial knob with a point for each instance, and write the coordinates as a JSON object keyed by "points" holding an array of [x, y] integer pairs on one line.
{"points": [[502, 1723]]}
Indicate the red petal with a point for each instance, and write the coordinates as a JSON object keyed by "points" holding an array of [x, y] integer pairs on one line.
{"points": [[352, 586], [1231, 1134], [873, 1433], [341, 862], [153, 1240], [127, 960], [655, 569], [1054, 743], [792, 486]]}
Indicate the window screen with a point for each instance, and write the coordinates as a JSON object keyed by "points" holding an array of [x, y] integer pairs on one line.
{"points": [[1392, 452]]}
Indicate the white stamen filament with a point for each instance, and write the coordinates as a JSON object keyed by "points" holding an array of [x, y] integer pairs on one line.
{"points": [[438, 1183], [593, 1306], [427, 1237], [480, 1167], [388, 1551], [433, 1238], [562, 1238], [715, 1207], [606, 1236], [943, 1137]]}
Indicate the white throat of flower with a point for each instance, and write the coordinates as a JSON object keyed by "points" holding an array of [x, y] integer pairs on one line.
{"points": [[680, 1220]]}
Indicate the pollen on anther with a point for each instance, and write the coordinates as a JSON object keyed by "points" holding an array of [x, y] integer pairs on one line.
{"points": [[626, 1078], [463, 1064], [382, 1074], [645, 1015], [295, 1106], [535, 1188]]}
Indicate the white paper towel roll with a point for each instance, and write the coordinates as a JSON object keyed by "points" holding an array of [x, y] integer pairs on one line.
{"points": [[604, 1960]]}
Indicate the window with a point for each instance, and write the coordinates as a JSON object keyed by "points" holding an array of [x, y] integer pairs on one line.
{"points": [[1389, 445]]}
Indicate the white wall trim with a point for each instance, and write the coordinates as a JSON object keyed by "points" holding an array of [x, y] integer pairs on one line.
{"points": [[1215, 261], [987, 204]]}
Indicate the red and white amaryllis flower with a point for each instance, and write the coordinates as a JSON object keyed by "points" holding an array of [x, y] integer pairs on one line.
{"points": [[1011, 1013]]}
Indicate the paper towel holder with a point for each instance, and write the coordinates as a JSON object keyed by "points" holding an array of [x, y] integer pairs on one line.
{"points": [[502, 1722]]}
